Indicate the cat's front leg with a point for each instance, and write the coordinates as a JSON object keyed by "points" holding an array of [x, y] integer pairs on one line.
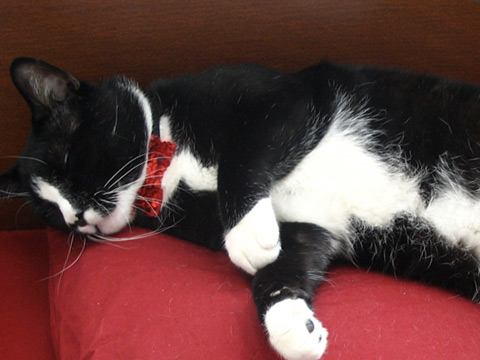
{"points": [[254, 241], [284, 291]]}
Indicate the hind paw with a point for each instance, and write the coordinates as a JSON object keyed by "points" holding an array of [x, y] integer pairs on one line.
{"points": [[294, 332]]}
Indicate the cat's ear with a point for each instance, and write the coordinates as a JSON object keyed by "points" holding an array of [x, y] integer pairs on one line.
{"points": [[42, 85], [10, 185]]}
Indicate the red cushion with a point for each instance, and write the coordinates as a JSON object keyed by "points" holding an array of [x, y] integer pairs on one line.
{"points": [[163, 298], [24, 311]]}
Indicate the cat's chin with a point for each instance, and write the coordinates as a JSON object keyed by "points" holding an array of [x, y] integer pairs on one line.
{"points": [[116, 221], [94, 222], [113, 224], [108, 225], [87, 230]]}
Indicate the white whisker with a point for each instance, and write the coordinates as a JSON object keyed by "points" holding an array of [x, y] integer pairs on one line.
{"points": [[105, 242], [101, 205], [127, 173], [162, 228], [11, 194], [20, 209], [112, 179], [119, 188], [24, 158], [124, 239], [66, 267], [148, 201]]}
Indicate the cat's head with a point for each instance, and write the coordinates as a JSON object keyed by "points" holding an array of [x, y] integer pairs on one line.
{"points": [[85, 158]]}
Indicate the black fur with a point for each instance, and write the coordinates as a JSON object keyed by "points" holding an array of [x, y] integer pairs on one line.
{"points": [[411, 249]]}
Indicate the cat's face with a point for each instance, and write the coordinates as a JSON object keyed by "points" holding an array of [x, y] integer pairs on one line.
{"points": [[85, 159]]}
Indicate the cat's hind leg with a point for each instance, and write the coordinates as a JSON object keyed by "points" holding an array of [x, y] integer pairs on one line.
{"points": [[412, 249], [284, 291]]}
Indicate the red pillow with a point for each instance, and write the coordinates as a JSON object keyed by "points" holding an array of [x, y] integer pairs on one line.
{"points": [[24, 310], [163, 298]]}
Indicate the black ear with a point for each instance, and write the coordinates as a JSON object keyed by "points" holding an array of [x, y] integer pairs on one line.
{"points": [[41, 84], [10, 185]]}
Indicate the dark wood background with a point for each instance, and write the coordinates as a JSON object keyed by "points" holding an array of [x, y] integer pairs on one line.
{"points": [[145, 39]]}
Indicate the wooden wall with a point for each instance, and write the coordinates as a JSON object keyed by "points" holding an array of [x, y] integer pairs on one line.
{"points": [[144, 39]]}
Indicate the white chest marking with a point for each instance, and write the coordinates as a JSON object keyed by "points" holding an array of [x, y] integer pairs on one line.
{"points": [[165, 134], [184, 166]]}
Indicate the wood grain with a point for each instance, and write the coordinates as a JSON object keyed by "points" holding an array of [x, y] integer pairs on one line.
{"points": [[145, 39]]}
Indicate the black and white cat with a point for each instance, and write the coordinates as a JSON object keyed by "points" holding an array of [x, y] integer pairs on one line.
{"points": [[288, 171]]}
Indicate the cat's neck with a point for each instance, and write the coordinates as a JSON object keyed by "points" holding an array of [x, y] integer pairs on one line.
{"points": [[150, 195]]}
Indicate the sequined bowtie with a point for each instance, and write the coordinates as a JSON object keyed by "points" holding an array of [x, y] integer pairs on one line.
{"points": [[150, 195]]}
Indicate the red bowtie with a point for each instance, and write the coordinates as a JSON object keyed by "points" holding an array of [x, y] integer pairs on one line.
{"points": [[150, 195]]}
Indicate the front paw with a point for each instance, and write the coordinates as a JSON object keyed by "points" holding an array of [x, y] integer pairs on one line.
{"points": [[254, 241], [294, 331]]}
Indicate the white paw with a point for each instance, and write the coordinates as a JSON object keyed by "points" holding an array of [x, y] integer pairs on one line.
{"points": [[294, 331], [254, 241]]}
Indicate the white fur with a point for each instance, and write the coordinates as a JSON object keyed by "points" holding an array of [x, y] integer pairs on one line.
{"points": [[144, 105], [455, 214], [92, 217], [165, 134], [113, 222], [184, 166], [340, 178], [254, 241], [87, 229], [123, 212], [286, 325], [51, 193]]}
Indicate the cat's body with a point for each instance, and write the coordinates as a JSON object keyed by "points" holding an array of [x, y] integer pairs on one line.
{"points": [[289, 171]]}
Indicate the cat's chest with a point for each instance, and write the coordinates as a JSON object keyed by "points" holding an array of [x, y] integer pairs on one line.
{"points": [[186, 168]]}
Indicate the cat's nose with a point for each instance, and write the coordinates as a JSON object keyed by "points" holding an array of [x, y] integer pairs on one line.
{"points": [[80, 220], [83, 227]]}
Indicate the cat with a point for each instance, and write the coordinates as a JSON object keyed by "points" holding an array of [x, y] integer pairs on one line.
{"points": [[289, 172]]}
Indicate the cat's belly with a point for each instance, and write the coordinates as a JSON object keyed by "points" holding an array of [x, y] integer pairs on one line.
{"points": [[339, 180]]}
